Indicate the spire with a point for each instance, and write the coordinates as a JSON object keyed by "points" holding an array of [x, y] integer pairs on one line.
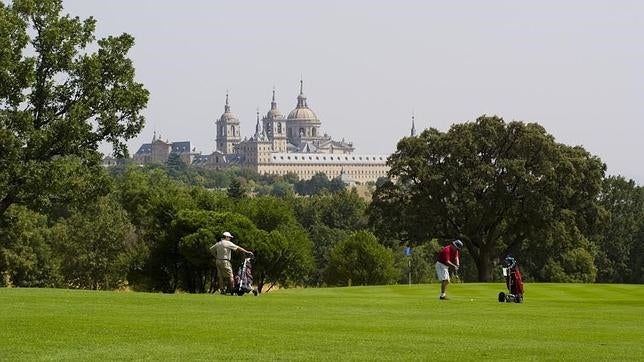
{"points": [[258, 128], [264, 135], [227, 107], [273, 103], [273, 113], [413, 126], [301, 99]]}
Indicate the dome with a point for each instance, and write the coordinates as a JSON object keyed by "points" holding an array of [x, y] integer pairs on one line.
{"points": [[302, 113], [274, 113], [228, 115]]}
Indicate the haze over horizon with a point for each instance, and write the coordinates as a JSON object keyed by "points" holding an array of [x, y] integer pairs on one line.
{"points": [[575, 67]]}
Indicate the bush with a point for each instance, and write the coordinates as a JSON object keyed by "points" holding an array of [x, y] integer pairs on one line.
{"points": [[97, 245], [361, 260], [26, 257], [577, 267]]}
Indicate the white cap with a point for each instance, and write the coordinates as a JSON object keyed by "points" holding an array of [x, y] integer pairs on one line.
{"points": [[226, 233]]}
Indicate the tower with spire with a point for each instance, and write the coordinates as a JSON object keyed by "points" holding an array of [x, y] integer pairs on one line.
{"points": [[302, 124], [228, 132], [275, 127]]}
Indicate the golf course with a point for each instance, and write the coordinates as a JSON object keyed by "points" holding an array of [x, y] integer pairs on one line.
{"points": [[561, 322]]}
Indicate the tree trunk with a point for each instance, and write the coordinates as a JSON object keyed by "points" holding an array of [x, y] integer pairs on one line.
{"points": [[483, 265], [260, 283], [5, 203]]}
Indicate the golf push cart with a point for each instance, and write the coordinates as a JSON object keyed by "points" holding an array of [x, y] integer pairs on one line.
{"points": [[244, 278], [513, 281]]}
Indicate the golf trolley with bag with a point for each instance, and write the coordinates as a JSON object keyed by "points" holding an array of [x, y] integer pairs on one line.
{"points": [[513, 281], [244, 278]]}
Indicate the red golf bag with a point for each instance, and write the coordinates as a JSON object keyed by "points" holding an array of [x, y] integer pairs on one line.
{"points": [[513, 282]]}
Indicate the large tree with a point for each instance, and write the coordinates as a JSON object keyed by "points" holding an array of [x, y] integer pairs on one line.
{"points": [[62, 94], [494, 185], [619, 237]]}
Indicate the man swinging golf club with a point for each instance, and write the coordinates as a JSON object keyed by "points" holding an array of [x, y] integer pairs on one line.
{"points": [[447, 257], [222, 251]]}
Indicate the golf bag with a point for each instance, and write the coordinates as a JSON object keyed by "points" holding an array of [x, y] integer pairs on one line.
{"points": [[244, 278], [513, 282]]}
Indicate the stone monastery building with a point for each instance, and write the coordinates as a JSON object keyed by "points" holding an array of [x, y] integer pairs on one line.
{"points": [[280, 145]]}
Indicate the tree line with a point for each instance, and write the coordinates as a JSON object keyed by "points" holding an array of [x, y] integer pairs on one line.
{"points": [[65, 221], [152, 232]]}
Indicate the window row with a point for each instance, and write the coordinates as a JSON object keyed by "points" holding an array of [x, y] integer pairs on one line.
{"points": [[338, 158]]}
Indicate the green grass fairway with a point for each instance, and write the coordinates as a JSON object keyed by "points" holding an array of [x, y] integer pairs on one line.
{"points": [[558, 322]]}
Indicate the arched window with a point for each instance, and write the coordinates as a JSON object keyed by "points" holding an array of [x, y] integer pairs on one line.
{"points": [[301, 132], [313, 132], [279, 128], [232, 129]]}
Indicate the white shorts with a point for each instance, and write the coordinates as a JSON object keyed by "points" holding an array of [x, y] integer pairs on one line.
{"points": [[442, 271]]}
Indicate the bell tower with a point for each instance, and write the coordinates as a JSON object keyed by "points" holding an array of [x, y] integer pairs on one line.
{"points": [[275, 127], [228, 132]]}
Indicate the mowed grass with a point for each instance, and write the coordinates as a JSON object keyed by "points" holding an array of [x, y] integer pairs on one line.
{"points": [[558, 322]]}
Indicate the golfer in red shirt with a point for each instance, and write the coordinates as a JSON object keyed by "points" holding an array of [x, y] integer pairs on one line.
{"points": [[447, 256]]}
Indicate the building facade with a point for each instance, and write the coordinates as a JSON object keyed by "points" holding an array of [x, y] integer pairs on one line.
{"points": [[280, 145], [159, 150], [292, 144]]}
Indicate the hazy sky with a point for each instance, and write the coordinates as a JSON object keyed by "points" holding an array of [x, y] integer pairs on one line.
{"points": [[576, 67]]}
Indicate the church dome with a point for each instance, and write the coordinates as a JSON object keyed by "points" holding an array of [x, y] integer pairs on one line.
{"points": [[302, 111], [274, 113], [228, 115]]}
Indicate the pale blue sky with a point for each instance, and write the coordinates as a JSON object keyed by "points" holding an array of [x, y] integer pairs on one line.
{"points": [[576, 67]]}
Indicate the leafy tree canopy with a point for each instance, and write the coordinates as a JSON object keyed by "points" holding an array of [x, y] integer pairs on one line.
{"points": [[59, 99], [619, 238], [236, 190], [97, 245], [267, 213], [361, 260], [26, 257], [319, 183], [492, 184]]}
